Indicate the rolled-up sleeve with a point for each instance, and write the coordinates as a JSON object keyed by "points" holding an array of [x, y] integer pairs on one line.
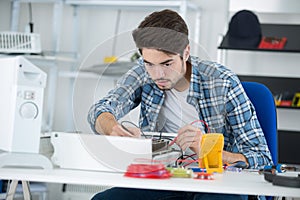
{"points": [[120, 100]]}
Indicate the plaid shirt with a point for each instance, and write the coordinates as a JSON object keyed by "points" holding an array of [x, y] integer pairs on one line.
{"points": [[214, 91]]}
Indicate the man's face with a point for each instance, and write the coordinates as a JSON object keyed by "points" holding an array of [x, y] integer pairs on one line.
{"points": [[166, 70]]}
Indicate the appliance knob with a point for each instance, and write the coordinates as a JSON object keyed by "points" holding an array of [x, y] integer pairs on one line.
{"points": [[29, 110]]}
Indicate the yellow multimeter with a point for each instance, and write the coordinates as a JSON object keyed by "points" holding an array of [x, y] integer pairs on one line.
{"points": [[210, 156], [296, 100]]}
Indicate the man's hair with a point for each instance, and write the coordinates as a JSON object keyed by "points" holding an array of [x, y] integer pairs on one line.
{"points": [[165, 19], [163, 30]]}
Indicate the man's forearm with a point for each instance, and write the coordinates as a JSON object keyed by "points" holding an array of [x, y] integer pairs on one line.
{"points": [[229, 157], [105, 122]]}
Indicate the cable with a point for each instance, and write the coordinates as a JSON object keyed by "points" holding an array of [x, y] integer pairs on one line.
{"points": [[179, 158], [191, 156], [202, 121], [124, 127], [183, 159], [174, 140]]}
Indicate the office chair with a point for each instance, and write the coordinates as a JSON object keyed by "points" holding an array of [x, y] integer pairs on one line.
{"points": [[263, 101]]}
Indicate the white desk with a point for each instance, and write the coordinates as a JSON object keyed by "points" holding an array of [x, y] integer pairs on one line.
{"points": [[230, 182]]}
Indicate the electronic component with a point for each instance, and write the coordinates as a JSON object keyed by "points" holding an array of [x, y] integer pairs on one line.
{"points": [[168, 158], [98, 152], [197, 169], [204, 176], [210, 156], [279, 168], [233, 169], [163, 153], [159, 145], [181, 172]]}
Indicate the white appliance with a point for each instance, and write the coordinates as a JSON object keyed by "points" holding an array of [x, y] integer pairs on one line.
{"points": [[22, 89], [98, 152]]}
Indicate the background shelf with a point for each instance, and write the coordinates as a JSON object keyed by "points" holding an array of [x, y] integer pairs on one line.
{"points": [[291, 32]]}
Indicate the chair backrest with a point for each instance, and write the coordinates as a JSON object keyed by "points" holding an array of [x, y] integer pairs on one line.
{"points": [[263, 101]]}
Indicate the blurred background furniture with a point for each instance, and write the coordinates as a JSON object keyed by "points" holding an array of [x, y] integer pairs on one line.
{"points": [[263, 101]]}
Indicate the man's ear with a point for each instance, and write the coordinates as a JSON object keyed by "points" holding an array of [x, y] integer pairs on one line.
{"points": [[186, 52]]}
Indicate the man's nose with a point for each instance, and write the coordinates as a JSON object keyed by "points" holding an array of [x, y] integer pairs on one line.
{"points": [[159, 71]]}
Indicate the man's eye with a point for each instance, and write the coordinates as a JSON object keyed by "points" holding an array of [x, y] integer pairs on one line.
{"points": [[168, 64], [148, 64]]}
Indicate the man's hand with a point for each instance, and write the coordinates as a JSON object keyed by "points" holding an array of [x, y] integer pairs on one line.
{"points": [[189, 137], [119, 130], [229, 157], [108, 125]]}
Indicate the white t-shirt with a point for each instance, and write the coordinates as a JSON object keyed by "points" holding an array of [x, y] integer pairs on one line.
{"points": [[176, 112]]}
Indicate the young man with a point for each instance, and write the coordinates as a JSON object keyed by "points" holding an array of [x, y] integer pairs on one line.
{"points": [[174, 89]]}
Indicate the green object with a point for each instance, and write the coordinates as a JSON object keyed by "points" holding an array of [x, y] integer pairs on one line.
{"points": [[134, 57], [181, 172]]}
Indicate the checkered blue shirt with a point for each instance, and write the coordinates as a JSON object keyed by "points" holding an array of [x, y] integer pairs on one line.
{"points": [[215, 92]]}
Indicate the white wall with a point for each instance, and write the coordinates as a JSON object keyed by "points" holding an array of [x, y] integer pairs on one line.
{"points": [[97, 24], [96, 27], [96, 30]]}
